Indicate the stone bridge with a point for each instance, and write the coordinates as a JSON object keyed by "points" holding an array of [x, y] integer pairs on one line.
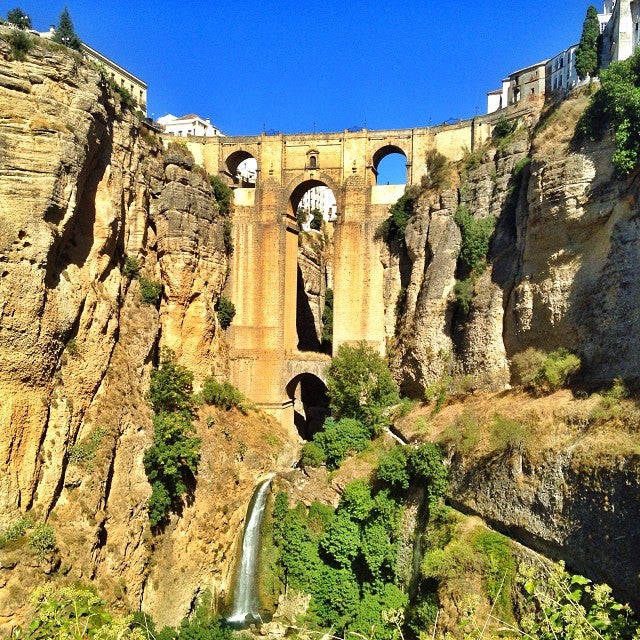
{"points": [[265, 361]]}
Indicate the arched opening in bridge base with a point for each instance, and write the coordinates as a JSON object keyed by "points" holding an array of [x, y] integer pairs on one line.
{"points": [[310, 403]]}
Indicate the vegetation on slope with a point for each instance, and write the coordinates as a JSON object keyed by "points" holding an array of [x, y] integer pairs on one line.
{"points": [[616, 105], [171, 462]]}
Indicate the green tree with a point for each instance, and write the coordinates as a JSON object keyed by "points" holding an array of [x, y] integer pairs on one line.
{"points": [[360, 386], [171, 385], [338, 439], [587, 52], [393, 228], [226, 311], [392, 468], [171, 462], [476, 233], [316, 219], [222, 193], [65, 33], [19, 18]]}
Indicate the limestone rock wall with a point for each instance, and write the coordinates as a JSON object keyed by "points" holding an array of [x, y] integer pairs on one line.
{"points": [[82, 186], [561, 270]]}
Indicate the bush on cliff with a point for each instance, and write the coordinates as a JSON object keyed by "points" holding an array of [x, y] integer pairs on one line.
{"points": [[616, 105], [171, 462], [543, 373], [393, 228], [360, 386]]}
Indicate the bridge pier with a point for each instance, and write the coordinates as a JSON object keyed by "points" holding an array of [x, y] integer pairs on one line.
{"points": [[263, 277]]}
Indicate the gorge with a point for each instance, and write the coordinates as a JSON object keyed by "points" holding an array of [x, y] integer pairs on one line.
{"points": [[96, 208]]}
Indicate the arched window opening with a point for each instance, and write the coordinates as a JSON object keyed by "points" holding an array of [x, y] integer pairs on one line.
{"points": [[310, 403], [243, 169], [390, 164], [313, 162]]}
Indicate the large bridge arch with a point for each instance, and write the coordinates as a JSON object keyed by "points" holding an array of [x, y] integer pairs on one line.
{"points": [[299, 185], [262, 338]]}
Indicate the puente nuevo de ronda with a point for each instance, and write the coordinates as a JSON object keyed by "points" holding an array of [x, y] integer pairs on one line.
{"points": [[265, 362]]}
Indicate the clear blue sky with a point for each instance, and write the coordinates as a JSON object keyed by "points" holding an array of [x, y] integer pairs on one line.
{"points": [[287, 65]]}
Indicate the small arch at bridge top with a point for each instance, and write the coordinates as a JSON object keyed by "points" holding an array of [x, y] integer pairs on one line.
{"points": [[390, 165], [242, 167], [310, 403]]}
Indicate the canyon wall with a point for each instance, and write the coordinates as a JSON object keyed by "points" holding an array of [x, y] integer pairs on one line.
{"points": [[83, 187]]}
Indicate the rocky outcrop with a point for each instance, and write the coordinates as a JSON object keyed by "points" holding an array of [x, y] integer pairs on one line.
{"points": [[561, 264], [83, 186], [584, 516]]}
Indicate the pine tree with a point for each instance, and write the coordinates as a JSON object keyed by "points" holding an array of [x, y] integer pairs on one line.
{"points": [[19, 18], [65, 33], [587, 52]]}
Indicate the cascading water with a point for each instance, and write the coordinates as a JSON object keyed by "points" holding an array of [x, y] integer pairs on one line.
{"points": [[246, 607]]}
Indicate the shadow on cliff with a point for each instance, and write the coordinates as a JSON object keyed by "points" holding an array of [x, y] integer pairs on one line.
{"points": [[305, 323], [603, 301], [74, 245]]}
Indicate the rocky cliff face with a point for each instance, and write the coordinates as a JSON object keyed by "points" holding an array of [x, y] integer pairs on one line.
{"points": [[83, 186], [561, 263]]}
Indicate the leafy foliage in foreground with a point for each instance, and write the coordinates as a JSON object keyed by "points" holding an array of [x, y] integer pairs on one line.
{"points": [[572, 608], [171, 462], [74, 613]]}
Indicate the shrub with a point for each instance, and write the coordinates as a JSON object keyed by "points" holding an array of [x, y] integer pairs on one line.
{"points": [[20, 43], [499, 569], [464, 433], [503, 128], [508, 434], [438, 171], [338, 439], [426, 464], [131, 267], [74, 612], [542, 372], [150, 291], [360, 386], [616, 105], [558, 366], [226, 311], [223, 395], [222, 193], [171, 385], [85, 452], [16, 530], [527, 365], [474, 246], [392, 468], [227, 236], [394, 226], [42, 540], [312, 455], [327, 320], [463, 291], [438, 391], [170, 463]]}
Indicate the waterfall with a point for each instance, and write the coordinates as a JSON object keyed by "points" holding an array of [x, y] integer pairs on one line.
{"points": [[245, 595]]}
